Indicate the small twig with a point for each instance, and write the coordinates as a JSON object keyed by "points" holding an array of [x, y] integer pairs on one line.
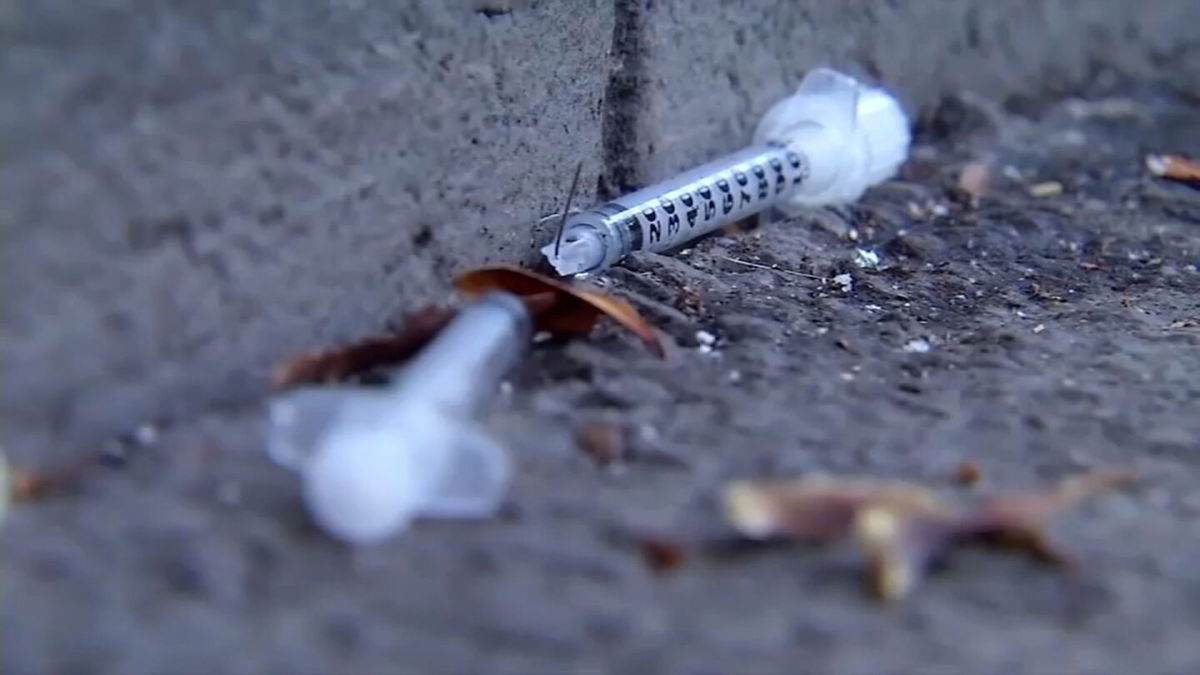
{"points": [[747, 263]]}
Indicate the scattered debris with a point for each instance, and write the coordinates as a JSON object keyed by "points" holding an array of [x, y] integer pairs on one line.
{"points": [[917, 346], [705, 341], [1037, 292], [1039, 328], [146, 434], [1050, 188], [1175, 167], [342, 362], [661, 555], [968, 474], [690, 301], [866, 258], [28, 485], [975, 180], [903, 528], [603, 442], [844, 281], [558, 307]]}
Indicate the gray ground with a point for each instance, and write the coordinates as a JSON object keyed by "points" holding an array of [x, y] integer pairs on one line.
{"points": [[1064, 336]]}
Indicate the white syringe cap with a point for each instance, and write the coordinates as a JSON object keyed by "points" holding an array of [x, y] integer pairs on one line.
{"points": [[852, 135]]}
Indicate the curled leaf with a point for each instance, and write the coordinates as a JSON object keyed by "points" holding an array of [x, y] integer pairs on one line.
{"points": [[817, 509], [24, 485], [557, 307], [903, 528], [344, 361], [1175, 167], [1033, 509]]}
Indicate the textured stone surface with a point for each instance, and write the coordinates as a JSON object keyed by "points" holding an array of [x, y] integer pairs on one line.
{"points": [[754, 53], [191, 190]]}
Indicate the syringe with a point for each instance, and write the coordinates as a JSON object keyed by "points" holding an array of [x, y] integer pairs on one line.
{"points": [[825, 144], [372, 460]]}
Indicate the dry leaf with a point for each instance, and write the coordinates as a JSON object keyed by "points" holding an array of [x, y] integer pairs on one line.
{"points": [[690, 301], [968, 473], [661, 555], [558, 307], [1035, 508], [24, 485], [603, 441], [975, 179], [344, 361], [815, 509], [1175, 167], [903, 528]]}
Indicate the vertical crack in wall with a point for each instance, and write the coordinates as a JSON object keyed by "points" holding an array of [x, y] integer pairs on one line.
{"points": [[623, 102]]}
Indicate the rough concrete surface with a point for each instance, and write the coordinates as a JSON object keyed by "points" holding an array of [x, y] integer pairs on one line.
{"points": [[191, 191]]}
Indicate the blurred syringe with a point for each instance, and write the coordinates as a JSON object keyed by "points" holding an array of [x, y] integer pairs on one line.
{"points": [[373, 460], [824, 145]]}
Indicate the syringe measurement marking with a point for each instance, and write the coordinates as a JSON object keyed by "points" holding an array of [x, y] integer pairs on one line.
{"points": [[726, 194]]}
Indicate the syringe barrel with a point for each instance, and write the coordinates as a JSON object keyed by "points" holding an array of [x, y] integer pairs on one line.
{"points": [[462, 366], [669, 214]]}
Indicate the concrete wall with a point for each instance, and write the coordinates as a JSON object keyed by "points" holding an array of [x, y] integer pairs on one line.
{"points": [[191, 189]]}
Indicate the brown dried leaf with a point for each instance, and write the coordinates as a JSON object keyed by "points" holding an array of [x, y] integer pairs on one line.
{"points": [[903, 528], [968, 474], [557, 307], [901, 544], [603, 441], [1036, 508], [975, 179], [661, 555], [690, 301], [338, 363], [1175, 167], [816, 509], [25, 485]]}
